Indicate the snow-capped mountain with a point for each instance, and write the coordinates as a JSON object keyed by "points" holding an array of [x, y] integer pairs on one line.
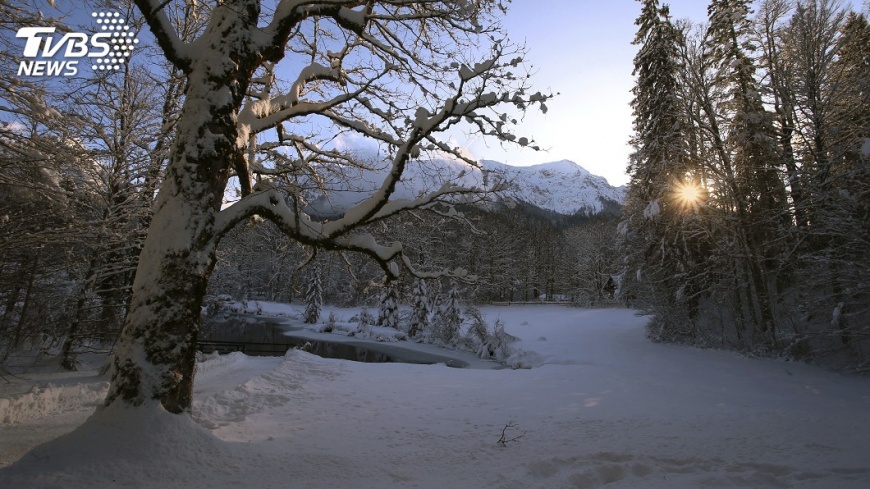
{"points": [[563, 186]]}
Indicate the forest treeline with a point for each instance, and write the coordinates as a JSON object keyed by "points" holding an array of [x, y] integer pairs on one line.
{"points": [[515, 254], [748, 216]]}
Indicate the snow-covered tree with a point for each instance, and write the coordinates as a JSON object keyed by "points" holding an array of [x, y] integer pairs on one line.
{"points": [[478, 330], [771, 36], [419, 309], [448, 318], [366, 320], [750, 159], [313, 296], [592, 260], [388, 307], [837, 131], [497, 344], [665, 194], [40, 227], [752, 266], [396, 72], [94, 143]]}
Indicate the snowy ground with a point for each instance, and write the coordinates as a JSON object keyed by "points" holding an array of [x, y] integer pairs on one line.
{"points": [[605, 407]]}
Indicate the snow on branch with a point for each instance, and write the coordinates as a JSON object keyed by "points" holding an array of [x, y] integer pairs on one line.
{"points": [[308, 154], [175, 50], [362, 127], [290, 13], [269, 203], [401, 90], [266, 114]]}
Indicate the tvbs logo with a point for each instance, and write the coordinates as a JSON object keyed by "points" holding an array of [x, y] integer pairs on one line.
{"points": [[106, 50]]}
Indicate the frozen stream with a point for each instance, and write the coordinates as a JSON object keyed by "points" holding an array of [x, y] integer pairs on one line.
{"points": [[265, 335]]}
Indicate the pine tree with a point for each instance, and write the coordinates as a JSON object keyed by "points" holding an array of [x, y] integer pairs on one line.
{"points": [[778, 63], [420, 309], [449, 317], [759, 189], [388, 312], [313, 296], [660, 256]]}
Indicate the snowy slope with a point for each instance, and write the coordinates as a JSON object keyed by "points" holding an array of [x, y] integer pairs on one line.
{"points": [[562, 186], [604, 407]]}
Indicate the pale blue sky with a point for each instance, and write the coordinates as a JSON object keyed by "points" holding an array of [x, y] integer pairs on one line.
{"points": [[581, 49]]}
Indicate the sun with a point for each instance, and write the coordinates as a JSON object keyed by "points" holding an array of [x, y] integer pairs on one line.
{"points": [[688, 194]]}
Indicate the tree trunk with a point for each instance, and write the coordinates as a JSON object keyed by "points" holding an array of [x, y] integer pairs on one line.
{"points": [[67, 360], [16, 339], [156, 354]]}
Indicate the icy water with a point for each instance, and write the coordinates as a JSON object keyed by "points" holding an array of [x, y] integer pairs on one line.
{"points": [[265, 336]]}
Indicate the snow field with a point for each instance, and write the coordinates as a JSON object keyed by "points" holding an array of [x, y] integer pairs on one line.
{"points": [[602, 407]]}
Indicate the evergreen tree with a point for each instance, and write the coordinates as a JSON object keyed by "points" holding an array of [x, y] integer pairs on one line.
{"points": [[449, 317], [778, 65], [420, 309], [813, 48], [776, 269], [388, 312], [663, 195], [313, 296]]}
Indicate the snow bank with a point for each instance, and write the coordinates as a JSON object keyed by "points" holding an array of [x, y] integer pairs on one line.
{"points": [[50, 399], [234, 386], [128, 447]]}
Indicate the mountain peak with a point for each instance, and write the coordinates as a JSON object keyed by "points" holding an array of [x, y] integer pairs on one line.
{"points": [[561, 165], [561, 186]]}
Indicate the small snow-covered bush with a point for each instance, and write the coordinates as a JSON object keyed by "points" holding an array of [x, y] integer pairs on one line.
{"points": [[497, 344], [365, 321], [329, 326], [489, 343], [477, 328]]}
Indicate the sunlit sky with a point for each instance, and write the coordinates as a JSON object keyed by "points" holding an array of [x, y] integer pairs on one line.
{"points": [[582, 50]]}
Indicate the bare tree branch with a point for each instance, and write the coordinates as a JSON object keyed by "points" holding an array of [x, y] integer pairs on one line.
{"points": [[175, 50]]}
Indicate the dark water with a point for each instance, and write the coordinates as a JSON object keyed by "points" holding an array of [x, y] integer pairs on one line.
{"points": [[263, 336]]}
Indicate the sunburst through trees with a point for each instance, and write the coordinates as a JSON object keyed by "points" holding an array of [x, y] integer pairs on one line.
{"points": [[689, 195]]}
